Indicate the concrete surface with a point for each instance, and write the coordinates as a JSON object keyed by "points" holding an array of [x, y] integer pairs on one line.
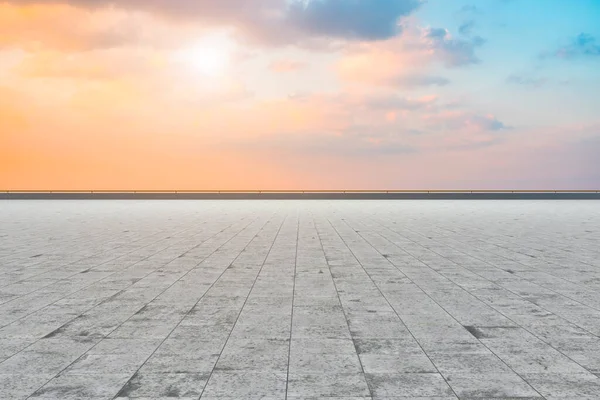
{"points": [[339, 300]]}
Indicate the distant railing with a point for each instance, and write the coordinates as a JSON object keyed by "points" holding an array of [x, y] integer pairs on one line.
{"points": [[290, 191], [459, 194]]}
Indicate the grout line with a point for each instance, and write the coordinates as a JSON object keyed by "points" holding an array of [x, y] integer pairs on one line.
{"points": [[495, 310], [344, 312], [78, 358], [441, 307], [201, 297], [95, 266], [120, 271], [390, 305], [246, 300], [105, 300], [287, 380], [503, 270]]}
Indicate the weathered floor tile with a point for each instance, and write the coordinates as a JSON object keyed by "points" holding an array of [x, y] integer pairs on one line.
{"points": [[10, 347], [45, 357], [167, 385], [246, 385], [126, 363], [77, 387], [20, 386], [559, 386], [408, 385], [191, 346], [179, 363], [468, 363], [301, 346], [490, 385], [378, 325], [327, 384], [325, 363], [125, 346], [396, 363], [254, 354]]}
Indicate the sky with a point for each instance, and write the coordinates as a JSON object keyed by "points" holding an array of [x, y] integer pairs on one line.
{"points": [[299, 94]]}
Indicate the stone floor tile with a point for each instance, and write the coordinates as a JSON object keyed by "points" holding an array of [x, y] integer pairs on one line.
{"points": [[164, 385], [324, 384], [490, 385], [180, 363], [407, 385], [468, 363], [20, 386], [77, 387], [254, 354], [124, 363], [246, 385], [565, 386]]}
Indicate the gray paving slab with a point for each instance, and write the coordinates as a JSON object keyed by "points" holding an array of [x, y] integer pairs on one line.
{"points": [[300, 299]]}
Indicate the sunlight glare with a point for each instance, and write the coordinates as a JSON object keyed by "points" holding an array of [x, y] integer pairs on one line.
{"points": [[210, 56]]}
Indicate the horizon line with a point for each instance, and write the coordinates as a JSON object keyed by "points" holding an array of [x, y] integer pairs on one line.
{"points": [[306, 195], [299, 191]]}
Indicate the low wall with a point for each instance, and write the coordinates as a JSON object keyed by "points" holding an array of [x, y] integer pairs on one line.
{"points": [[302, 195]]}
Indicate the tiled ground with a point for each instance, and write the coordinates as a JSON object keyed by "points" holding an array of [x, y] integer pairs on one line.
{"points": [[346, 300]]}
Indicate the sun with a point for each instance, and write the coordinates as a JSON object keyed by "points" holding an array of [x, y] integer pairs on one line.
{"points": [[211, 61], [209, 56]]}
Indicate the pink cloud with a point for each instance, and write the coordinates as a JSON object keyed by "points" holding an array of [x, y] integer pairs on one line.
{"points": [[57, 26], [279, 22], [464, 120], [407, 60], [282, 66]]}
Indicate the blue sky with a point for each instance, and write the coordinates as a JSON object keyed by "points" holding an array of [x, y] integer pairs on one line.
{"points": [[517, 33]]}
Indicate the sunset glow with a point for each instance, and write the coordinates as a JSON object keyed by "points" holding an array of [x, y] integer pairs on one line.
{"points": [[279, 94]]}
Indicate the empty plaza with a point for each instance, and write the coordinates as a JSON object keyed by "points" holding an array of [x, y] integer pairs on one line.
{"points": [[300, 299]]}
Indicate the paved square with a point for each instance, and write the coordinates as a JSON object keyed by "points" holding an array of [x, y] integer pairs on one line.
{"points": [[299, 300]]}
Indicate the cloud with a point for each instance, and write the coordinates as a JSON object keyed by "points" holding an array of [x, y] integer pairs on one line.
{"points": [[485, 122], [367, 138], [269, 21], [470, 9], [468, 12], [582, 46], [283, 66], [466, 28], [355, 19], [46, 26], [456, 120], [394, 102], [421, 80], [406, 61], [464, 130], [205, 9], [91, 65], [351, 142], [453, 52], [61, 27], [525, 80], [386, 69], [364, 125], [356, 102]]}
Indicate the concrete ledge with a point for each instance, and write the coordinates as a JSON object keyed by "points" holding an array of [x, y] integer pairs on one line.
{"points": [[306, 195]]}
